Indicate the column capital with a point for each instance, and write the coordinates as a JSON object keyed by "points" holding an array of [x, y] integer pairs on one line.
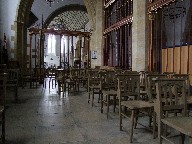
{"points": [[151, 15]]}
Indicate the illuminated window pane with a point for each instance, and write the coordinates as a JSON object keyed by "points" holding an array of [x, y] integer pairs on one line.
{"points": [[51, 44]]}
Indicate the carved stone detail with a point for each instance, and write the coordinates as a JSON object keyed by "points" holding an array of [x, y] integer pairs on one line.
{"points": [[151, 16]]}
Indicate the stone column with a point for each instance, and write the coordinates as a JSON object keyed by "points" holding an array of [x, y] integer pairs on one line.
{"points": [[96, 38], [140, 36]]}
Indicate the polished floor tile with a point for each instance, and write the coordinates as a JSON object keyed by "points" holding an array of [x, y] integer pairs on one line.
{"points": [[41, 116]]}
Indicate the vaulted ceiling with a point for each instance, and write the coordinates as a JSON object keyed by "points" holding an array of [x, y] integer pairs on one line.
{"points": [[70, 20], [65, 14], [40, 7]]}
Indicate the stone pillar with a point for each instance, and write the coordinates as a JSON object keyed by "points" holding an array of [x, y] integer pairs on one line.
{"points": [[96, 38], [139, 36]]}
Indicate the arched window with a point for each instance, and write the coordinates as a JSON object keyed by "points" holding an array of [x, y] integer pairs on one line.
{"points": [[51, 44]]}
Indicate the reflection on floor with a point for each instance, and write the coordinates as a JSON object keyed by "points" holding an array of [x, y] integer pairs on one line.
{"points": [[41, 116]]}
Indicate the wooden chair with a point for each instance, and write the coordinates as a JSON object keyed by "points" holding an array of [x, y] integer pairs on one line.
{"points": [[61, 78], [82, 77], [172, 97], [73, 82], [93, 84], [38, 76], [129, 89], [51, 75], [27, 77], [108, 89], [151, 93], [12, 81], [3, 83]]}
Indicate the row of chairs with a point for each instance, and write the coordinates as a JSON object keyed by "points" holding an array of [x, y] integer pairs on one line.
{"points": [[133, 91], [137, 92]]}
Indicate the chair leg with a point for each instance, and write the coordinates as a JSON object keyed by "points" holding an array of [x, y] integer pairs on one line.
{"points": [[78, 84], [30, 83], [114, 103], [16, 93], [44, 84], [159, 131], [87, 86], [120, 117], [55, 82], [101, 103], [49, 83], [3, 126], [99, 96], [154, 124], [136, 118], [74, 89], [92, 97], [59, 87], [89, 95], [108, 99], [132, 125]]}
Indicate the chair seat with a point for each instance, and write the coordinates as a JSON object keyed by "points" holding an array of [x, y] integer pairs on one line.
{"points": [[110, 92], [95, 87], [136, 104], [181, 124], [142, 92]]}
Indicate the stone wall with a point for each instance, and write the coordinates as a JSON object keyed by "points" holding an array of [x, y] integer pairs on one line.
{"points": [[8, 10]]}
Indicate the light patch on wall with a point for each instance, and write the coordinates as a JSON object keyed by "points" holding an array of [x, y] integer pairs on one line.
{"points": [[12, 38], [13, 27]]}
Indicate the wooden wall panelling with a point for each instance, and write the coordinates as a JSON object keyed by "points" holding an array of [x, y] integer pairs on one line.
{"points": [[184, 57], [176, 60], [164, 60], [170, 60]]}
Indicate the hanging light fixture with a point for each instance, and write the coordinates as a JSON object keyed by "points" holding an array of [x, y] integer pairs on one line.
{"points": [[50, 2]]}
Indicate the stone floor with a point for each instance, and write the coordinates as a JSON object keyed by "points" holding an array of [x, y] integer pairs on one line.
{"points": [[41, 116]]}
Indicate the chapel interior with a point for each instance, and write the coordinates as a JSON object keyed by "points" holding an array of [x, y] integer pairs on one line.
{"points": [[95, 71]]}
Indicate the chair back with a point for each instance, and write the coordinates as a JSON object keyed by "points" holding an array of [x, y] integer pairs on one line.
{"points": [[184, 76], [171, 96], [108, 80], [129, 86], [150, 84], [13, 75], [93, 77]]}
